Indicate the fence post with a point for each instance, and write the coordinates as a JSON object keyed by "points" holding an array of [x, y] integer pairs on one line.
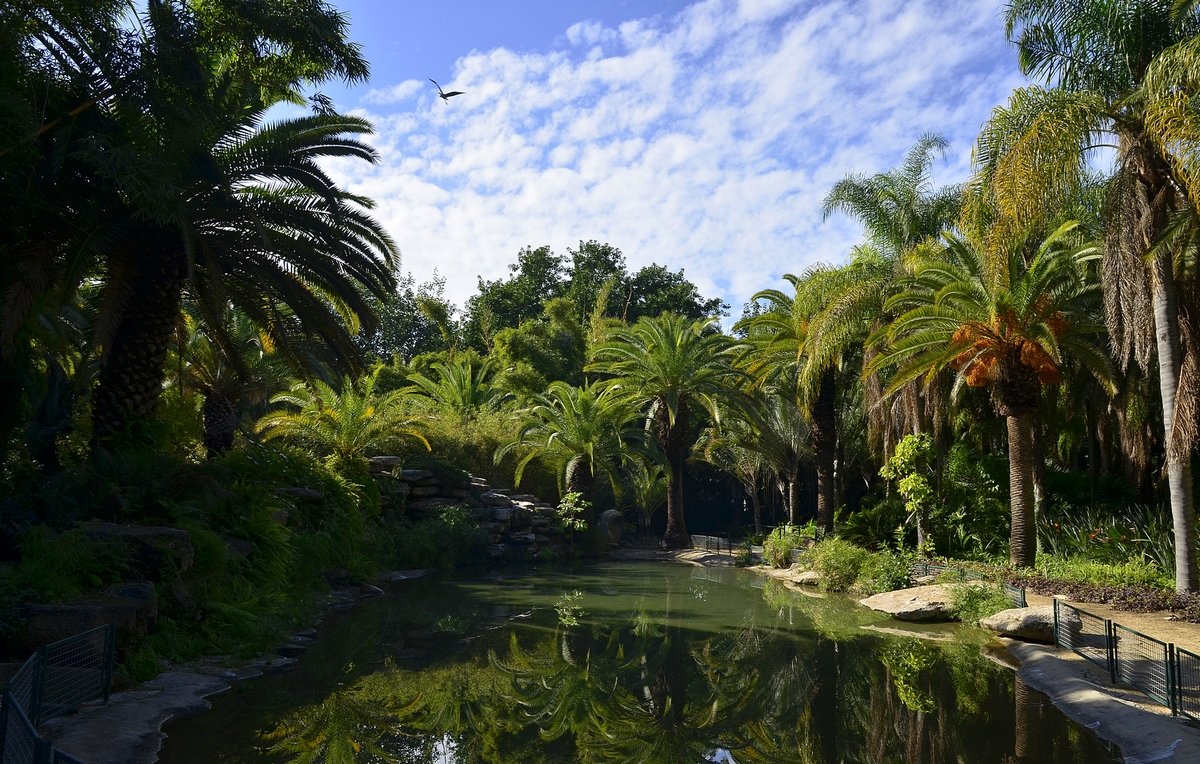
{"points": [[1110, 643], [1057, 638], [1173, 678], [35, 693], [5, 703], [110, 649]]}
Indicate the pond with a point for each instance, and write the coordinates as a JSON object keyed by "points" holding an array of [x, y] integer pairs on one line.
{"points": [[630, 662]]}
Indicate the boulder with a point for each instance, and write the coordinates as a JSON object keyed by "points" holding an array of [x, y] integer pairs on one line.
{"points": [[426, 491], [385, 463], [613, 523], [156, 550], [920, 603], [1033, 624], [806, 578], [494, 498], [413, 476], [132, 608]]}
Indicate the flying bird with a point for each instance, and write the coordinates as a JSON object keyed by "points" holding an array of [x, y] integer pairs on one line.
{"points": [[442, 93]]}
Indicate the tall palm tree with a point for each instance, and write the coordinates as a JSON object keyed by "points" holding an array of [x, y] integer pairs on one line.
{"points": [[778, 357], [1005, 326], [900, 211], [1119, 74], [582, 431], [672, 369], [195, 193]]}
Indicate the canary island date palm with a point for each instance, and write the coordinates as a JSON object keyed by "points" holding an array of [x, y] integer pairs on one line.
{"points": [[464, 386], [1119, 74], [343, 426], [1005, 326], [203, 197], [582, 431], [672, 369]]}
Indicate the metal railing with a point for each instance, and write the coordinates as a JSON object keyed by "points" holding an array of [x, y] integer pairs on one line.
{"points": [[718, 544], [1015, 594], [56, 679], [1164, 673]]}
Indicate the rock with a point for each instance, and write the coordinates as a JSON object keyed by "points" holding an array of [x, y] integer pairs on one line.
{"points": [[156, 550], [502, 514], [413, 476], [806, 578], [291, 650], [385, 463], [303, 494], [495, 499], [132, 608], [1033, 624], [425, 491], [430, 504], [367, 591], [337, 577], [457, 493], [920, 603], [239, 547], [613, 523]]}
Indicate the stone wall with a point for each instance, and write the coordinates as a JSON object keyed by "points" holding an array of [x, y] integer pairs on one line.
{"points": [[521, 526]]}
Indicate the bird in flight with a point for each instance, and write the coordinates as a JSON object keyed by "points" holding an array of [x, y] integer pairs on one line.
{"points": [[442, 93]]}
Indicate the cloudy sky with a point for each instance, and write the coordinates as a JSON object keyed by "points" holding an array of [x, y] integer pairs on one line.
{"points": [[701, 136]]}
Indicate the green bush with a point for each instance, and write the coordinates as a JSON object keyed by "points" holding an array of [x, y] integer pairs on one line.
{"points": [[1087, 571], [778, 546], [974, 601], [883, 572], [839, 563]]}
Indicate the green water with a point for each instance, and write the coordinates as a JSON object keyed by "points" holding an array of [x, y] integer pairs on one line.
{"points": [[630, 662]]}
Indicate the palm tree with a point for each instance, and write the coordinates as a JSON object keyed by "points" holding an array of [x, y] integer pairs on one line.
{"points": [[463, 386], [672, 369], [1006, 326], [1120, 75], [343, 426], [648, 483], [582, 431], [901, 212], [194, 193], [778, 357]]}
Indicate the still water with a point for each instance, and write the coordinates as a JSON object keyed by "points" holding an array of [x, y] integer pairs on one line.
{"points": [[630, 662]]}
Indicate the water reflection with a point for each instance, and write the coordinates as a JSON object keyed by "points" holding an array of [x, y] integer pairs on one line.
{"points": [[658, 664]]}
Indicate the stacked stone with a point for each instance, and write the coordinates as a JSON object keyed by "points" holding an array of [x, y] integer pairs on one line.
{"points": [[520, 526]]}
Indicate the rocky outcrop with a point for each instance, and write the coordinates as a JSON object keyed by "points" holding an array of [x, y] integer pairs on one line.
{"points": [[132, 608], [155, 550], [920, 603], [1032, 624], [519, 526]]}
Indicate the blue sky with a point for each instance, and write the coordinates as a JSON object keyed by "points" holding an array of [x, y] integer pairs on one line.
{"points": [[701, 136]]}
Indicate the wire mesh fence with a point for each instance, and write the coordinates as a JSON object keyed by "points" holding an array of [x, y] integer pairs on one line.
{"points": [[923, 570], [56, 679], [1187, 683], [1143, 662], [76, 670], [718, 544], [1085, 634]]}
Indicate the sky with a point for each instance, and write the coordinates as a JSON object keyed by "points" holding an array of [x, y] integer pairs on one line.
{"points": [[696, 135]]}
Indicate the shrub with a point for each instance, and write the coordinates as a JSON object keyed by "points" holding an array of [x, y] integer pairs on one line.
{"points": [[778, 546], [883, 572], [1089, 571], [839, 563], [976, 600]]}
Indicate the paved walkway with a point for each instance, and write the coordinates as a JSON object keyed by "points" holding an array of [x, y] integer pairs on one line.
{"points": [[1157, 624]]}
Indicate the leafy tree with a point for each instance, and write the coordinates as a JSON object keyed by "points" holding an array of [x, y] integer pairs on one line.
{"points": [[1006, 326], [414, 319], [550, 348], [537, 276], [672, 369]]}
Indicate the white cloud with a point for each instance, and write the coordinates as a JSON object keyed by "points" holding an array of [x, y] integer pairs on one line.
{"points": [[706, 141]]}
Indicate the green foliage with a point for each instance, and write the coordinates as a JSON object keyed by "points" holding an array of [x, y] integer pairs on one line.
{"points": [[883, 572], [59, 566], [1135, 533], [778, 546], [1090, 571], [838, 561], [973, 601], [449, 539], [571, 511]]}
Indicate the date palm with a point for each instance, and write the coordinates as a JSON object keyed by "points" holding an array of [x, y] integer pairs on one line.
{"points": [[1119, 74], [1006, 326], [672, 369], [464, 386], [581, 431]]}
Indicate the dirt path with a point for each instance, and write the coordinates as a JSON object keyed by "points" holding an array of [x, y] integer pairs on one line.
{"points": [[1157, 624]]}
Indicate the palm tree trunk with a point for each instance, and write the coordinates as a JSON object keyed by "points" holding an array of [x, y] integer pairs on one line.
{"points": [[220, 423], [580, 479], [131, 372], [1023, 539], [1179, 473], [757, 505], [672, 439], [790, 499], [824, 439]]}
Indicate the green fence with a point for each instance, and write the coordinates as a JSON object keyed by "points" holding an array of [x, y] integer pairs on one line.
{"points": [[56, 679], [718, 544], [1164, 673], [916, 570]]}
